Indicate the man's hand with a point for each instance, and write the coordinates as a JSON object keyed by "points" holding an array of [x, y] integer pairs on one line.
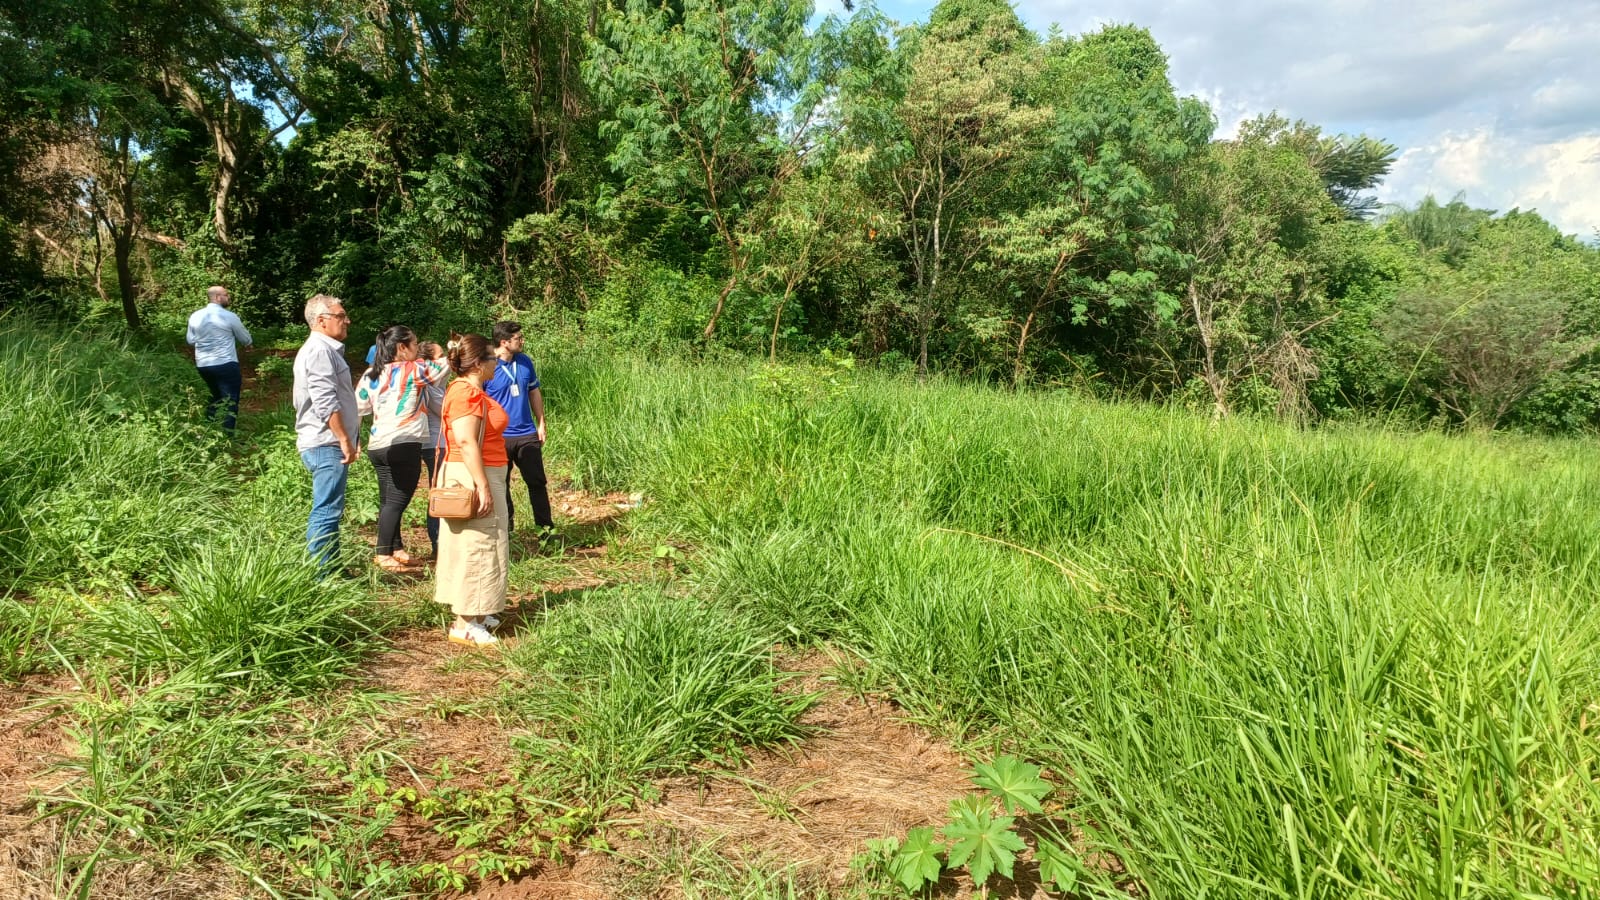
{"points": [[350, 449], [541, 431], [485, 499]]}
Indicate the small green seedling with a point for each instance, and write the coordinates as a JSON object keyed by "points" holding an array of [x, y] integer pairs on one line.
{"points": [[982, 842]]}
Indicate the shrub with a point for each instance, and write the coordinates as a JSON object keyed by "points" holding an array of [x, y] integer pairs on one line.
{"points": [[241, 611]]}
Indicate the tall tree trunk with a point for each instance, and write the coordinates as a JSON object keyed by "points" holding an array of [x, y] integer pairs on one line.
{"points": [[222, 196], [722, 299], [1205, 326], [228, 140], [122, 233], [1022, 348]]}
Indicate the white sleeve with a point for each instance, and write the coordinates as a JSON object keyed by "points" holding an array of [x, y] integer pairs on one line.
{"points": [[239, 331]]}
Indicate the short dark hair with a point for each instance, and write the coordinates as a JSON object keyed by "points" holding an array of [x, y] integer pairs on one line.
{"points": [[505, 331]]}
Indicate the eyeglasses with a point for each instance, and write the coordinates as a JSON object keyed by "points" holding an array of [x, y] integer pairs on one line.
{"points": [[344, 316]]}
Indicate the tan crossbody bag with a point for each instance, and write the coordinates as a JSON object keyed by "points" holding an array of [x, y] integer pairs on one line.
{"points": [[453, 502]]}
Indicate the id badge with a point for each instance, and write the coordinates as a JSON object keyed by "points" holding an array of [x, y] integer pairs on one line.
{"points": [[516, 389]]}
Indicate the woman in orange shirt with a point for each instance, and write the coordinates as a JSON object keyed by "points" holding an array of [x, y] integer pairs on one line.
{"points": [[474, 554]]}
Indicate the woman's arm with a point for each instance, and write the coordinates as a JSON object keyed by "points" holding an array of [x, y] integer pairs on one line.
{"points": [[465, 429]]}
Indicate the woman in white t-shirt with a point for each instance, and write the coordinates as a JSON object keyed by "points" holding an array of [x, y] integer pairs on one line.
{"points": [[393, 392]]}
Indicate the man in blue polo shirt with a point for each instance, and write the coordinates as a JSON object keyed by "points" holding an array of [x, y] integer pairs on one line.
{"points": [[515, 387]]}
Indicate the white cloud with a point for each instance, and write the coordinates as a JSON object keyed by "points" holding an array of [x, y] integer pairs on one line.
{"points": [[1561, 178]]}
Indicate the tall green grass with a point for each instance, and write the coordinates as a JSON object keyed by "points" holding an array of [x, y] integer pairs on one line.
{"points": [[1268, 662], [103, 478], [164, 566], [246, 614], [634, 682]]}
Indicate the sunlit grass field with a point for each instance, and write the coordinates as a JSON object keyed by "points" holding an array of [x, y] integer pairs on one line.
{"points": [[1259, 661], [1267, 662]]}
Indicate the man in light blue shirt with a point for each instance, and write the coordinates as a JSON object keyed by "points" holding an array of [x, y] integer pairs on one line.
{"points": [[215, 332], [325, 422]]}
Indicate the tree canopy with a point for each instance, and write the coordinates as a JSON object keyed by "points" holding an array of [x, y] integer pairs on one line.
{"points": [[962, 195]]}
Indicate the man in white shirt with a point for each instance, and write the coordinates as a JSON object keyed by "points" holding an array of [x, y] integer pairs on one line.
{"points": [[214, 331], [325, 422]]}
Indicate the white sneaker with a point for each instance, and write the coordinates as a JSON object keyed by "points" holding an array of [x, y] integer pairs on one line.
{"points": [[472, 634], [491, 622]]}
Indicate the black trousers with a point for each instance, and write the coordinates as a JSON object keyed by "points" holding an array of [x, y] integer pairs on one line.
{"points": [[433, 524], [225, 382], [399, 469], [527, 456]]}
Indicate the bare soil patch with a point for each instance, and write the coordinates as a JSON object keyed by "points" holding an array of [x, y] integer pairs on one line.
{"points": [[865, 774], [258, 395], [30, 738]]}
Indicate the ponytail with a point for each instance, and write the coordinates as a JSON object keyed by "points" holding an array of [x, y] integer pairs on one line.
{"points": [[388, 342]]}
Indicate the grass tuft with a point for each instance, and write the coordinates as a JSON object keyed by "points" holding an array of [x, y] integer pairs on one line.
{"points": [[634, 682], [244, 613]]}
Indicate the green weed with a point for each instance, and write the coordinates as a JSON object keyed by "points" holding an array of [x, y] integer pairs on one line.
{"points": [[633, 682], [27, 629], [1269, 662], [243, 613]]}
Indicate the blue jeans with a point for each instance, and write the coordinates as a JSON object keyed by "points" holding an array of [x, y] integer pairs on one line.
{"points": [[225, 382], [329, 474]]}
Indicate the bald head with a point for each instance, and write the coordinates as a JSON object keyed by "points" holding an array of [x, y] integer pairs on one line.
{"points": [[218, 294]]}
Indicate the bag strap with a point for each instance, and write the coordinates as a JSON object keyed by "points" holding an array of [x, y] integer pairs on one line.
{"points": [[440, 451]]}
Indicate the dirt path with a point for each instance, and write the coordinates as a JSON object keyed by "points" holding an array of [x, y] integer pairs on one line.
{"points": [[30, 735], [864, 773]]}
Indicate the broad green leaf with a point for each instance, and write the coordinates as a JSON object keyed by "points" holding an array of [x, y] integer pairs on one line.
{"points": [[983, 842], [1015, 782], [1056, 865], [917, 860]]}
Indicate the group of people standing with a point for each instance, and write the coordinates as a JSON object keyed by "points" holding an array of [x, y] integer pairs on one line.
{"points": [[468, 431]]}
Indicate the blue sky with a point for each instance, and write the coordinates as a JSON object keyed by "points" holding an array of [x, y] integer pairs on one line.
{"points": [[1499, 99]]}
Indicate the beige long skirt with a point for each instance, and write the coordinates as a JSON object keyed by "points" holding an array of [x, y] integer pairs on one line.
{"points": [[474, 554]]}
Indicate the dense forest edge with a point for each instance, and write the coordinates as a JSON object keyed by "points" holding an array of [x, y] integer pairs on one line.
{"points": [[959, 196]]}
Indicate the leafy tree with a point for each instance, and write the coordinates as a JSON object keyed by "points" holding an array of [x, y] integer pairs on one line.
{"points": [[1248, 213], [98, 65], [1487, 334], [936, 140], [818, 223], [694, 94], [1096, 229], [1441, 230]]}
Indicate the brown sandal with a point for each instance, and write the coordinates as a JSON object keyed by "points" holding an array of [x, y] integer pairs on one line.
{"points": [[392, 565]]}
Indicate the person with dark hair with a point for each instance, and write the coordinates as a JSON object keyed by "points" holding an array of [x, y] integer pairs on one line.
{"points": [[392, 392], [516, 388], [432, 402], [326, 424], [474, 554], [215, 332]]}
